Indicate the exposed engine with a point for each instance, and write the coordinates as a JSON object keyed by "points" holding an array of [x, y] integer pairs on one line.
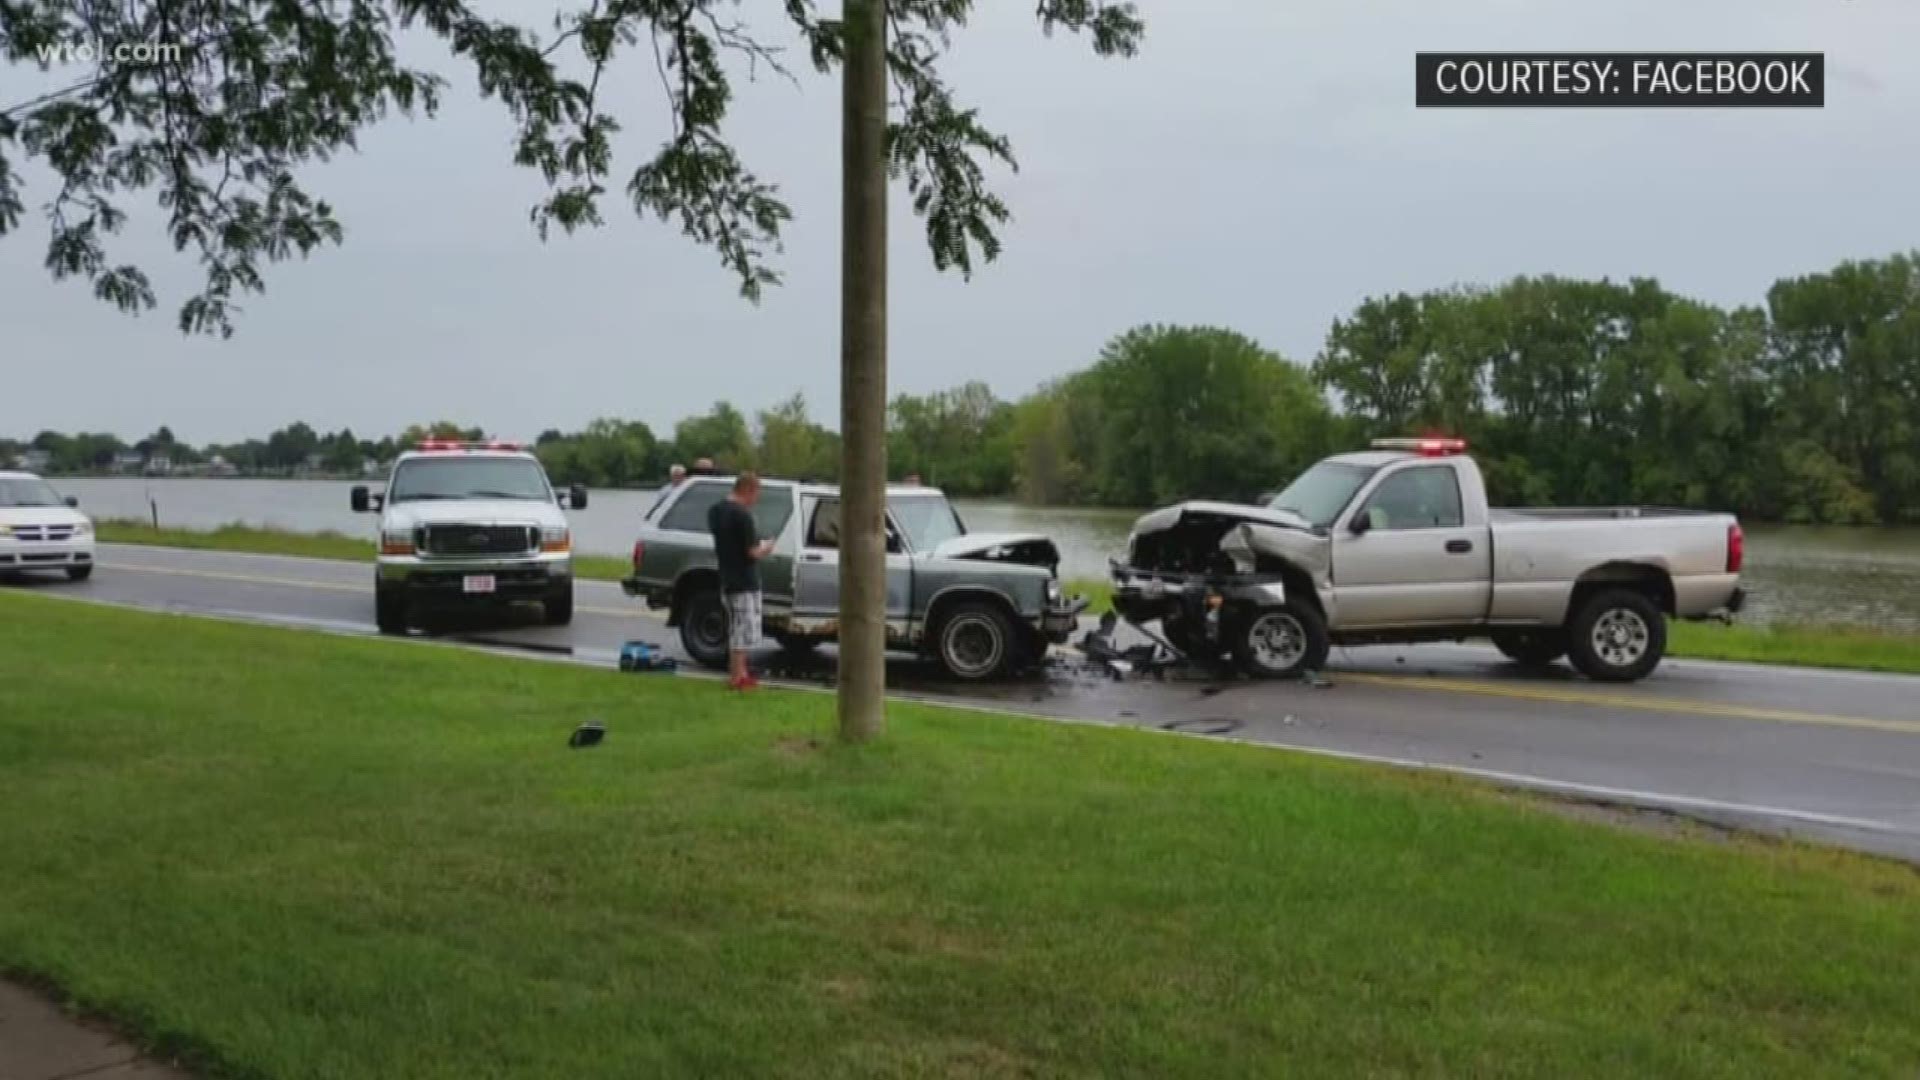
{"points": [[1190, 546]]}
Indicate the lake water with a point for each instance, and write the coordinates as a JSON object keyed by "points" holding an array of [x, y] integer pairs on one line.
{"points": [[1863, 576]]}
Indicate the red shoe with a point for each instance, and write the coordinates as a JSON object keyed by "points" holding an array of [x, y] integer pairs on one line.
{"points": [[747, 683], [752, 682]]}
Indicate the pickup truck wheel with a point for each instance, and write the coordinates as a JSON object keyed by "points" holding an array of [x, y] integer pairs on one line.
{"points": [[704, 627], [389, 610], [1281, 642], [975, 641], [1534, 648], [1617, 636], [559, 607]]}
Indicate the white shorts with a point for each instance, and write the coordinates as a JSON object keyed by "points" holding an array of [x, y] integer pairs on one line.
{"points": [[743, 620]]}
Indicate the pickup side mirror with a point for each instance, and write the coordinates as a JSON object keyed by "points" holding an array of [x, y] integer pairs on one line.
{"points": [[358, 499], [73, 502], [577, 496]]}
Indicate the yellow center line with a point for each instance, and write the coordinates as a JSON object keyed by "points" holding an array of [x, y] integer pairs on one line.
{"points": [[1626, 701], [329, 586]]}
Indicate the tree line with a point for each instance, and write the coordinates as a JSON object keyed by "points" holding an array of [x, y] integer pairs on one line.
{"points": [[1806, 409]]}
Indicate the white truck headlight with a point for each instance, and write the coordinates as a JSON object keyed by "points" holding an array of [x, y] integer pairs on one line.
{"points": [[556, 538], [1053, 590], [396, 541]]}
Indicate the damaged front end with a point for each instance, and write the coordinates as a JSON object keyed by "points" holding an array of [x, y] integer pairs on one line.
{"points": [[1193, 566]]}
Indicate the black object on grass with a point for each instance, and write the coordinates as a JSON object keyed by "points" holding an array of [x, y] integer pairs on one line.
{"points": [[587, 734]]}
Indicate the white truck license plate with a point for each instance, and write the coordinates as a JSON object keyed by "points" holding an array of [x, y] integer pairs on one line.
{"points": [[477, 583]]}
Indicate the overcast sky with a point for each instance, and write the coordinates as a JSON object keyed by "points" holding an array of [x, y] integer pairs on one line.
{"points": [[1260, 165]]}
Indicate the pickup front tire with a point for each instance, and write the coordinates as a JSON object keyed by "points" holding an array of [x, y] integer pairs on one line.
{"points": [[1282, 642], [390, 609], [558, 606], [1617, 635]]}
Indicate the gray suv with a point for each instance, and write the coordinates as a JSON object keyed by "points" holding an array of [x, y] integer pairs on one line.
{"points": [[980, 604]]}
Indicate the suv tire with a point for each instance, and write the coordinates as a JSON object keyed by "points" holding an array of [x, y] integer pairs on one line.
{"points": [[975, 641], [389, 609], [1283, 642], [1618, 635], [79, 571], [703, 626]]}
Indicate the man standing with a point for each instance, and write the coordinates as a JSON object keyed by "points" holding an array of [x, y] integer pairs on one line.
{"points": [[738, 549]]}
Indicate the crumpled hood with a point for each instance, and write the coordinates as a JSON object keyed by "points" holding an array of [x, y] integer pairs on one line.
{"points": [[1168, 516], [1031, 548], [475, 512]]}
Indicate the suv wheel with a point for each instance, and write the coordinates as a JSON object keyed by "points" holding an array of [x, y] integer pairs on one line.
{"points": [[1618, 635], [1281, 642], [1534, 648], [975, 641], [703, 626], [559, 606], [389, 610], [80, 571]]}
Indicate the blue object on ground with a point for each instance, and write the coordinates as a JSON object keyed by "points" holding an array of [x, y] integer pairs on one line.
{"points": [[645, 656]]}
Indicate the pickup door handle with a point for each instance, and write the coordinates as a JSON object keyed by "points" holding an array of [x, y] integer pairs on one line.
{"points": [[1459, 547], [812, 557]]}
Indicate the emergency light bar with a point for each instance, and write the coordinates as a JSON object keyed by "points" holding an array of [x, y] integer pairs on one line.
{"points": [[1427, 447], [457, 444]]}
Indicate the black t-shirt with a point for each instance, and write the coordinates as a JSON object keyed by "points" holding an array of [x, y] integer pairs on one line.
{"points": [[734, 537]]}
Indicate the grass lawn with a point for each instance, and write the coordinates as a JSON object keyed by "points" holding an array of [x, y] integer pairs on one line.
{"points": [[296, 855], [1811, 646]]}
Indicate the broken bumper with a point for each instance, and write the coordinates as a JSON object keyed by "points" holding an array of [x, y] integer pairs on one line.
{"points": [[1061, 619], [1141, 596]]}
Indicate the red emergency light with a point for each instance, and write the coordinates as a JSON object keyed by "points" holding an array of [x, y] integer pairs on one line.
{"points": [[1426, 447], [440, 445]]}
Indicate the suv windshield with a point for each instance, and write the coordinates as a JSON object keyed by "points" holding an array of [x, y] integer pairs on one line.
{"points": [[1320, 493], [468, 478], [28, 491], [929, 520]]}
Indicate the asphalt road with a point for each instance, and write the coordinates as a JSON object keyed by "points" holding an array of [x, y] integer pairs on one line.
{"points": [[1826, 755]]}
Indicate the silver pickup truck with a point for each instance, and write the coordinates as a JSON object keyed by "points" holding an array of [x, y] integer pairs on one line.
{"points": [[1397, 544], [979, 604]]}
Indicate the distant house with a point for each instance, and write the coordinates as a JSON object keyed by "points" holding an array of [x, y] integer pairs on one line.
{"points": [[220, 466], [33, 461], [159, 464], [127, 461]]}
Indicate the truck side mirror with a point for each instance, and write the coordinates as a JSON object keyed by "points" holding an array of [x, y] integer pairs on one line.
{"points": [[1360, 524], [577, 496], [358, 498]]}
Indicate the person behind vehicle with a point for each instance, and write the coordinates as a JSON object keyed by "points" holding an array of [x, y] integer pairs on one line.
{"points": [[738, 548], [675, 476], [703, 467]]}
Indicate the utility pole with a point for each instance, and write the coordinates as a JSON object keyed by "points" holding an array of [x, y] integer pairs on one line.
{"points": [[863, 372]]}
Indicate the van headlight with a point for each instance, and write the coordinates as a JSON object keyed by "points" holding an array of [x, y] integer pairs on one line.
{"points": [[85, 528]]}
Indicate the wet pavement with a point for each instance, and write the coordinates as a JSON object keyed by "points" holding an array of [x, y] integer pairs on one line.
{"points": [[1828, 755]]}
